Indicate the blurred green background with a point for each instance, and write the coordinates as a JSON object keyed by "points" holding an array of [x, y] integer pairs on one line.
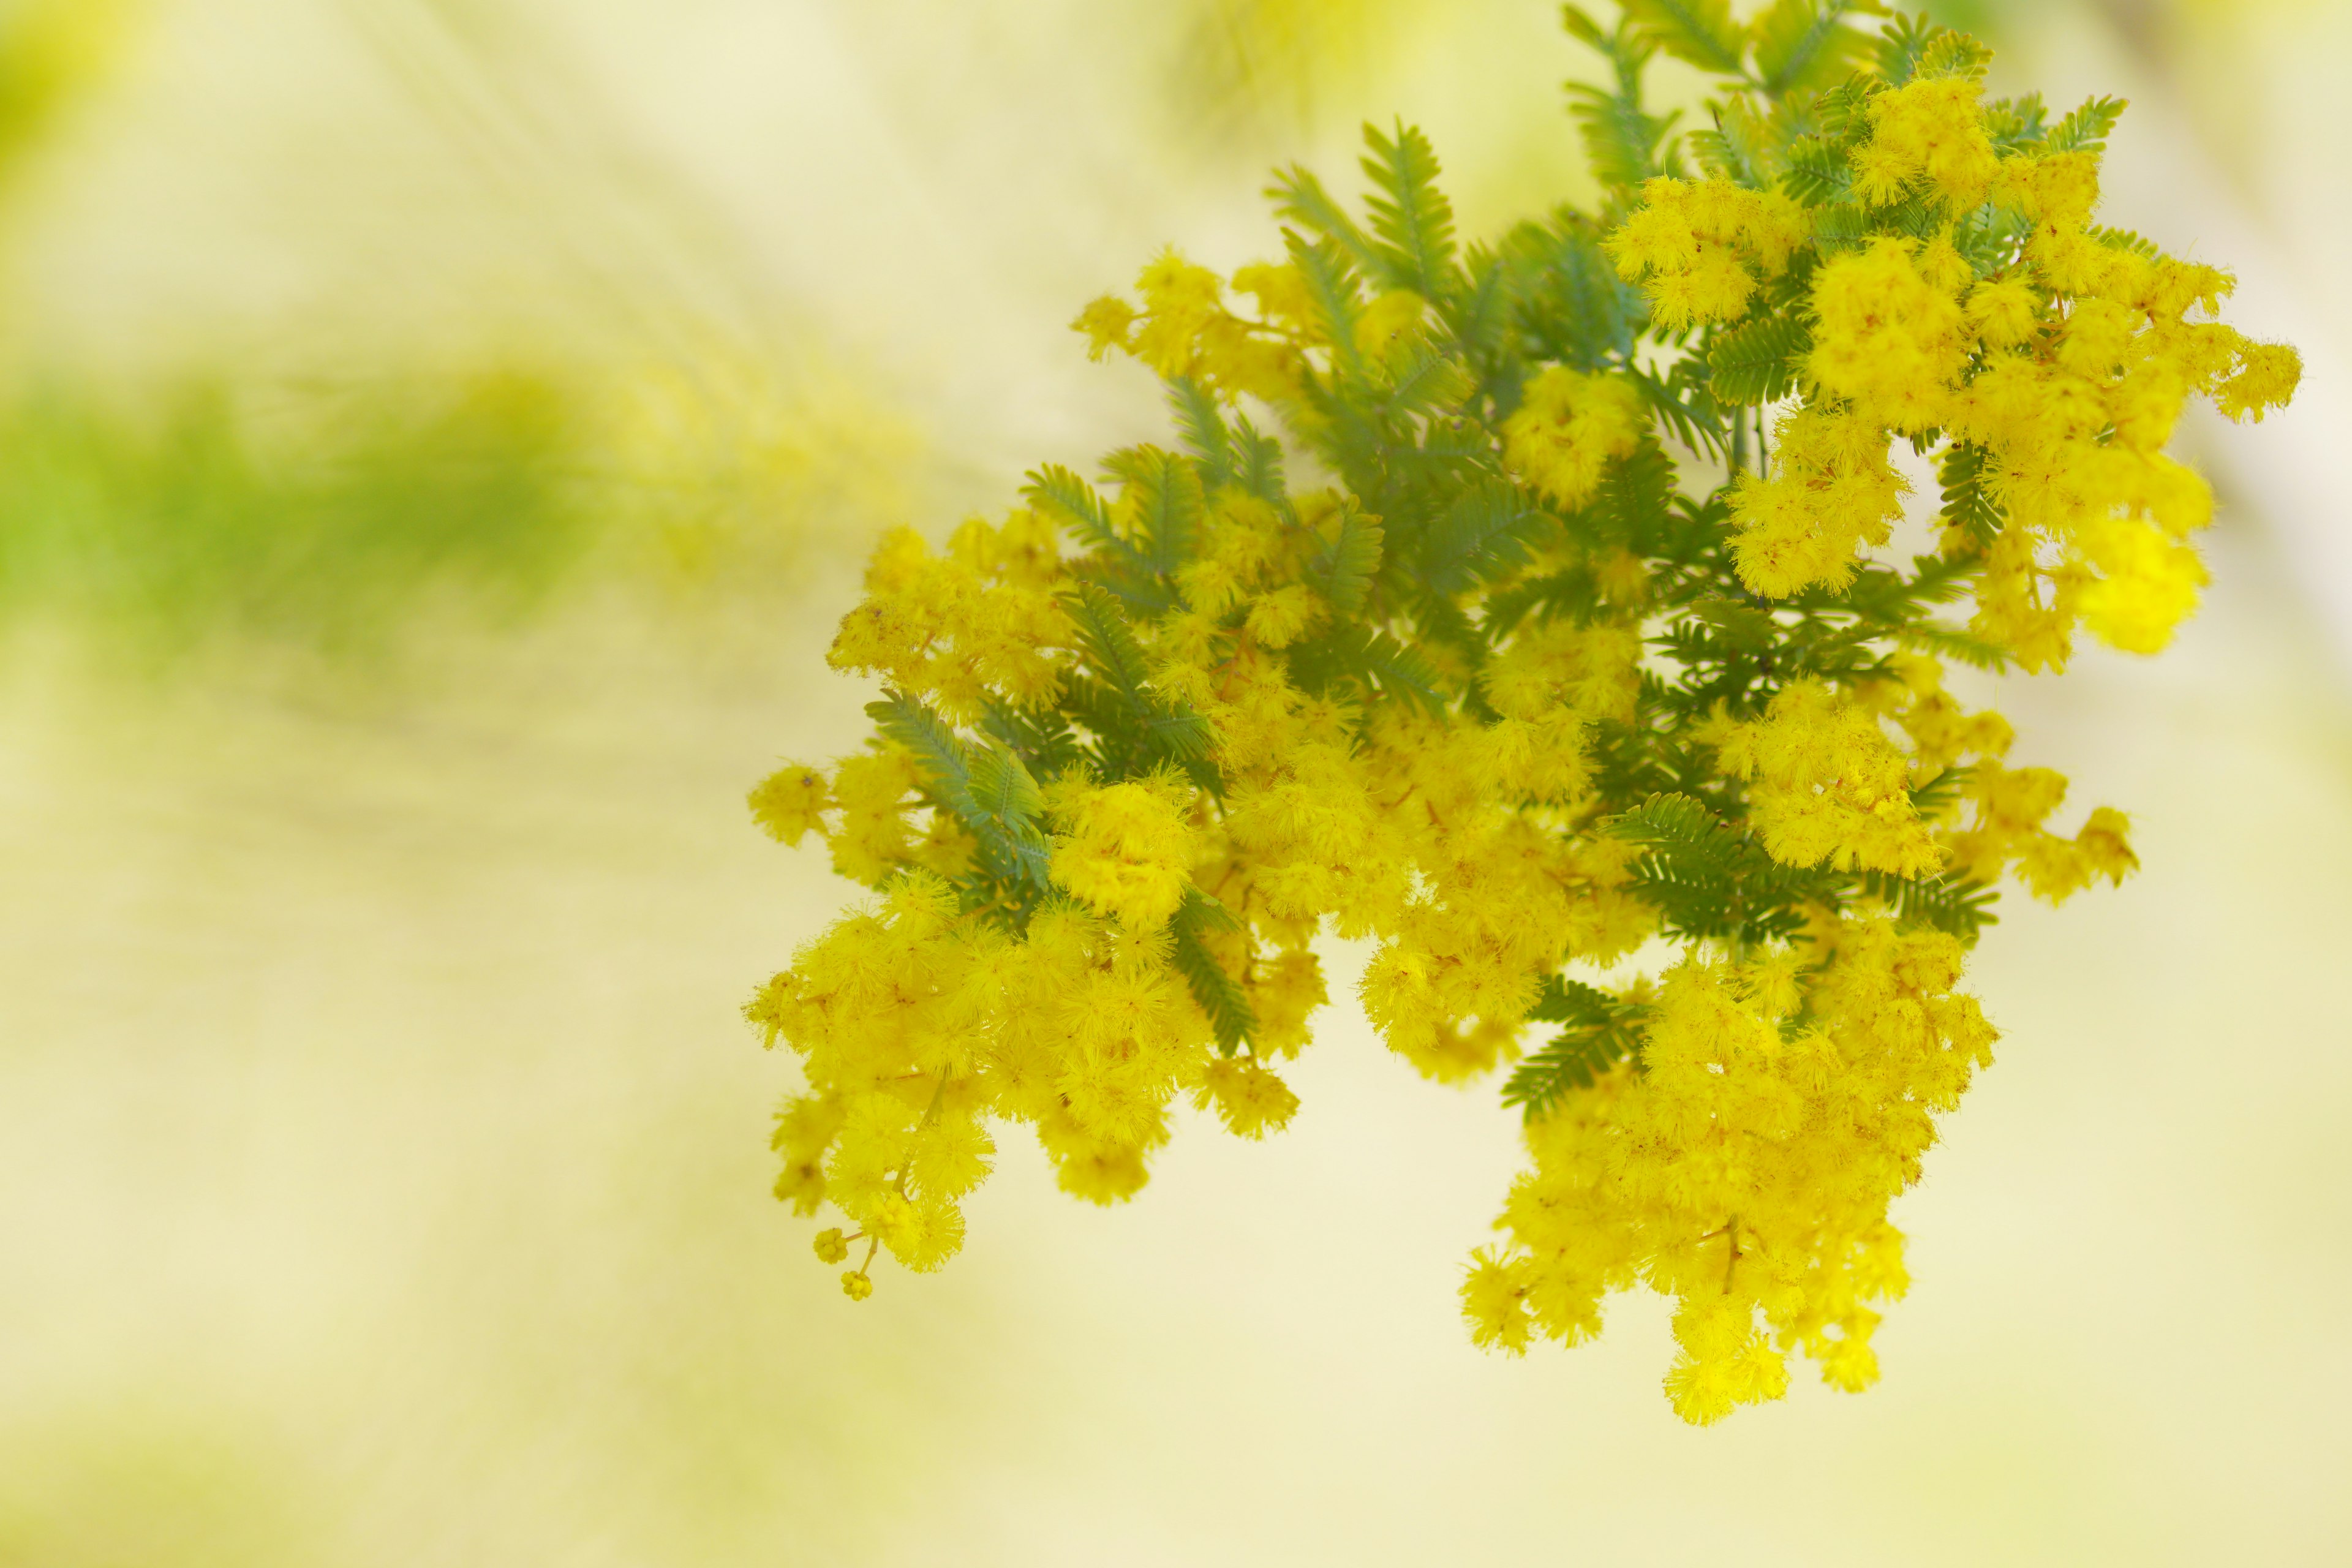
{"points": [[436, 438]]}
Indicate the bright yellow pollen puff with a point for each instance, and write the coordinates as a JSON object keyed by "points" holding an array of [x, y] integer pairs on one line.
{"points": [[1569, 428], [1179, 300], [1126, 850], [1249, 1099], [1698, 249], [2005, 831], [791, 802], [980, 621], [1281, 617], [2005, 311], [1831, 489], [2147, 584], [2089, 357], [2267, 376], [1929, 132], [1828, 785], [875, 792], [1109, 323], [1747, 1172], [1888, 340], [2058, 188], [1185, 328]]}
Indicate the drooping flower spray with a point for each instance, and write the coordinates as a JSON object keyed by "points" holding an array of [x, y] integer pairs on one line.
{"points": [[1512, 605]]}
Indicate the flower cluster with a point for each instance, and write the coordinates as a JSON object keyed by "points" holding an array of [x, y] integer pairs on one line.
{"points": [[1555, 625]]}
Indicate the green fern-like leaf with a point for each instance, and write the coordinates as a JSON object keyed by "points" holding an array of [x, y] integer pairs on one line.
{"points": [[1202, 424], [1299, 197], [1941, 793], [1424, 377], [1756, 363], [991, 794], [1373, 661], [1817, 173], [1408, 213], [1331, 288], [1700, 31], [1574, 592], [1041, 737], [1218, 993], [1624, 144], [1575, 1059], [1000, 786], [1344, 568], [1569, 302], [2125, 239], [1565, 1001], [1952, 53], [1685, 827], [1480, 312], [1967, 503], [1483, 535], [1603, 1031], [1109, 645], [1803, 45], [1960, 908], [1902, 45], [1637, 503], [1072, 502], [1684, 400], [1161, 504], [2086, 130], [1741, 148], [1257, 461]]}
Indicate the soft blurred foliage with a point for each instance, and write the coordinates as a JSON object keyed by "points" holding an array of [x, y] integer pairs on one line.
{"points": [[382, 1160]]}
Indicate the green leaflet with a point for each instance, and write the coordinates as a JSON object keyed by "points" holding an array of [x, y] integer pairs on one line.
{"points": [[1072, 502], [1257, 461], [1912, 47], [1817, 174], [1623, 142], [1602, 1031], [1161, 504], [1808, 44], [1967, 503], [1568, 302], [1756, 363], [1374, 662], [1218, 993], [989, 791], [1299, 197], [1331, 286], [2086, 130], [1700, 31], [1960, 908], [1482, 535], [1345, 567], [1202, 424], [1410, 215], [1136, 727]]}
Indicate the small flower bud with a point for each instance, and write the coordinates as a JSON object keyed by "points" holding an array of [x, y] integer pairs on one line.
{"points": [[830, 1246]]}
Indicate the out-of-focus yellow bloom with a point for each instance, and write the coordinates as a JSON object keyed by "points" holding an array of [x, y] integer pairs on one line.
{"points": [[1698, 249], [1126, 850], [1570, 429]]}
